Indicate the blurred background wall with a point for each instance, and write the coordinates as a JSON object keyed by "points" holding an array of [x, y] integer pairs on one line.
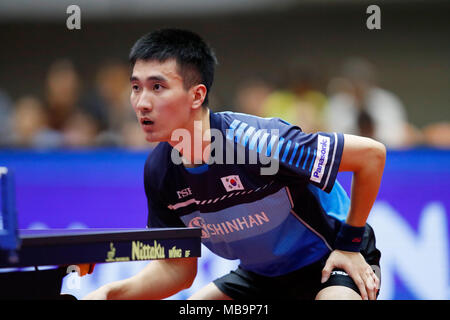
{"points": [[410, 52], [64, 94]]}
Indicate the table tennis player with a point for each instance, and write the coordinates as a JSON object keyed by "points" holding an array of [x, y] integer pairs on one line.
{"points": [[296, 232]]}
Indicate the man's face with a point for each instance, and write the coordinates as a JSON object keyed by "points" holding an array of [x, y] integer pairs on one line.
{"points": [[159, 99]]}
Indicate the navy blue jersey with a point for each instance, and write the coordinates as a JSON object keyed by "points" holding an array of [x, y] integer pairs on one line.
{"points": [[274, 223]]}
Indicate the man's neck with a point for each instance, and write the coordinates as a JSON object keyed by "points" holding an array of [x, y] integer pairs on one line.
{"points": [[196, 151]]}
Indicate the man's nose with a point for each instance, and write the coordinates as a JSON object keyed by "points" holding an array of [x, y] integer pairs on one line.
{"points": [[144, 103]]}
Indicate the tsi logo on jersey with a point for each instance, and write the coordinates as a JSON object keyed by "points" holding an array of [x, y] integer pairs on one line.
{"points": [[232, 183], [184, 193]]}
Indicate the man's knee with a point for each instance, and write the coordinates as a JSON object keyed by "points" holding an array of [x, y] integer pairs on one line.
{"points": [[338, 293]]}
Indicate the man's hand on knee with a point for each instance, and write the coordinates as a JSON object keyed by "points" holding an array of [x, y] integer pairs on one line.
{"points": [[354, 264]]}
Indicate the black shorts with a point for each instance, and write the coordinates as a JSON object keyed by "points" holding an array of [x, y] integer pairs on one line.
{"points": [[302, 284]]}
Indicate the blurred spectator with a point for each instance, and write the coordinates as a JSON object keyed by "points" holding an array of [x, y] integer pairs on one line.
{"points": [[5, 115], [133, 138], [30, 126], [110, 102], [358, 106], [80, 131], [62, 93], [437, 135], [251, 95], [300, 102], [104, 117]]}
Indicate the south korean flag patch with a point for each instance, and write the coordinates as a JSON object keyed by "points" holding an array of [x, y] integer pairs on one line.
{"points": [[232, 183]]}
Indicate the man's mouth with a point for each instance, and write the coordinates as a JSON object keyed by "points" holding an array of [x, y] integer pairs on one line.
{"points": [[146, 122]]}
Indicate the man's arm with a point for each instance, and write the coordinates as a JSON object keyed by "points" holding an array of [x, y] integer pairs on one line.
{"points": [[158, 280], [365, 158]]}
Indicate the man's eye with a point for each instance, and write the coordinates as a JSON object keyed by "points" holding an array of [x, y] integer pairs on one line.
{"points": [[157, 87], [135, 88]]}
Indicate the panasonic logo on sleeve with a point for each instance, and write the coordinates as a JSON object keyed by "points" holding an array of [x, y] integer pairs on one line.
{"points": [[323, 147]]}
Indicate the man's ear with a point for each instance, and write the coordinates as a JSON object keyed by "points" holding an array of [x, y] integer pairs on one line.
{"points": [[198, 95]]}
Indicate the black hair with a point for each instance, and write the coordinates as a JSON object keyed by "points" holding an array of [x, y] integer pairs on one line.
{"points": [[195, 59]]}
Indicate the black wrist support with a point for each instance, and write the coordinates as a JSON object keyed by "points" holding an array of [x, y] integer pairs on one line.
{"points": [[349, 238]]}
